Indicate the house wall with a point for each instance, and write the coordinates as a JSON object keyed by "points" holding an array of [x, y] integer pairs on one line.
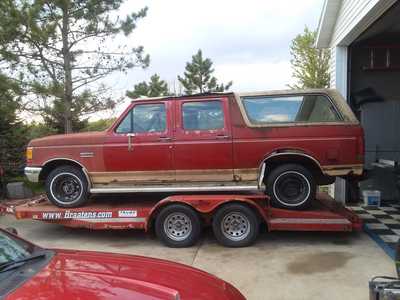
{"points": [[353, 17]]}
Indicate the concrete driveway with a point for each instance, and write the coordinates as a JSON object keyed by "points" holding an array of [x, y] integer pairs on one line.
{"points": [[281, 265]]}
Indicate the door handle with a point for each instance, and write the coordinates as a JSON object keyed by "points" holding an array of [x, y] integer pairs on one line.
{"points": [[222, 136], [165, 138], [130, 136]]}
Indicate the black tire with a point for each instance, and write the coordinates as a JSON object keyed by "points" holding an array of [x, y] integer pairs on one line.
{"points": [[236, 225], [67, 186], [291, 186], [178, 226]]}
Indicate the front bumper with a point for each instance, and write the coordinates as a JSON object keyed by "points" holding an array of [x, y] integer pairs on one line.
{"points": [[32, 173]]}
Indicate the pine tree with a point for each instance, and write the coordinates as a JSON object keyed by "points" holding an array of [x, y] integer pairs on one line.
{"points": [[154, 88], [12, 131], [310, 65], [62, 48], [198, 76]]}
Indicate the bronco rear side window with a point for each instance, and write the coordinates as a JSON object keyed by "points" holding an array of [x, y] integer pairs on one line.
{"points": [[289, 109]]}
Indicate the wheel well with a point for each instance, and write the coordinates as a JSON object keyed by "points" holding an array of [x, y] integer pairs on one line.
{"points": [[305, 161], [50, 166]]}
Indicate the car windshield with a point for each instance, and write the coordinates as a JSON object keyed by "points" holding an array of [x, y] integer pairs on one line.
{"points": [[12, 248]]}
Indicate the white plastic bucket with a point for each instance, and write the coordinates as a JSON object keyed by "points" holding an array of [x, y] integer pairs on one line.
{"points": [[372, 198]]}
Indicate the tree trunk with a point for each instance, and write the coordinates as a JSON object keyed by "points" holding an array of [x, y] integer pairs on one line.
{"points": [[67, 73]]}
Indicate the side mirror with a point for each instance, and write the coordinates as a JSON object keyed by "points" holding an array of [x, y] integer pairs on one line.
{"points": [[12, 230]]}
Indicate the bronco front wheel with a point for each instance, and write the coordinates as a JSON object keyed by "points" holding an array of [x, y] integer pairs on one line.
{"points": [[67, 186]]}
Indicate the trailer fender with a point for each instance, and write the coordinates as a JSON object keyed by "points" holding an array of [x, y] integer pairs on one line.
{"points": [[206, 205]]}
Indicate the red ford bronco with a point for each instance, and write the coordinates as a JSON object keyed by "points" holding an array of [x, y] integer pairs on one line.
{"points": [[283, 142]]}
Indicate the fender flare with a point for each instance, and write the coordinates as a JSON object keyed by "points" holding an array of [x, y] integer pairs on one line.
{"points": [[84, 170], [263, 164]]}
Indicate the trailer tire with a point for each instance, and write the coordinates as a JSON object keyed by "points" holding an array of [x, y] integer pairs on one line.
{"points": [[67, 187], [178, 226], [291, 186], [236, 225]]}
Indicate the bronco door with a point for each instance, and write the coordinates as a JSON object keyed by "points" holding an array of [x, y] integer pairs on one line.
{"points": [[203, 140], [139, 148]]}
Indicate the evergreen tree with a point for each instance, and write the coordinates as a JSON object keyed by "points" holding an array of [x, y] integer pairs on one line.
{"points": [[61, 48], [310, 65], [198, 76], [12, 131], [154, 88]]}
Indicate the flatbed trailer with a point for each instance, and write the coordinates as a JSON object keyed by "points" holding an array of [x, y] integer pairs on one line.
{"points": [[178, 219]]}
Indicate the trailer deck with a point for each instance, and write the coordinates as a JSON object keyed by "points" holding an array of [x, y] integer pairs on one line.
{"points": [[141, 213]]}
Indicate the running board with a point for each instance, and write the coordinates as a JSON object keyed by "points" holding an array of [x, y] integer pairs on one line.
{"points": [[174, 189]]}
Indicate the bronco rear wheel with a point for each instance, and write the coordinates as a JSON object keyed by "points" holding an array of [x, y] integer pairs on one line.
{"points": [[291, 186], [67, 186]]}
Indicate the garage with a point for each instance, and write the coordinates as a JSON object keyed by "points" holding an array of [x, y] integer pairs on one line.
{"points": [[363, 37]]}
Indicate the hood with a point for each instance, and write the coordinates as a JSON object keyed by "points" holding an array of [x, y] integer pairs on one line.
{"points": [[93, 275], [87, 138]]}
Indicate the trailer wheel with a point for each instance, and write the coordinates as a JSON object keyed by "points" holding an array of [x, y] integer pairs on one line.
{"points": [[291, 186], [178, 226], [66, 186], [236, 225]]}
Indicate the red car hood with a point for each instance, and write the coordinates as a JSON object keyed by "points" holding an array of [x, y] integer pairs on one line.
{"points": [[87, 138], [94, 275]]}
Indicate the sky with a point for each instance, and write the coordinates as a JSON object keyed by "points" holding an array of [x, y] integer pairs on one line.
{"points": [[248, 41]]}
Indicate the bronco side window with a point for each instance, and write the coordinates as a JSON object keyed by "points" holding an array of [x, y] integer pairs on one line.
{"points": [[126, 124], [289, 109], [203, 115], [144, 118]]}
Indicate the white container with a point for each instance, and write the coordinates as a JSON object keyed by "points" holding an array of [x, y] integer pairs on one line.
{"points": [[372, 198]]}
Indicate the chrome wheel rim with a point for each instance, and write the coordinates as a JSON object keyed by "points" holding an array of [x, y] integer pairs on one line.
{"points": [[235, 226], [177, 226]]}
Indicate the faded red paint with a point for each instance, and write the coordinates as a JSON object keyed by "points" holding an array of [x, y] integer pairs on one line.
{"points": [[236, 146]]}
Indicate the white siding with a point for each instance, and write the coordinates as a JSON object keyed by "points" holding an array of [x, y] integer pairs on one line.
{"points": [[354, 17]]}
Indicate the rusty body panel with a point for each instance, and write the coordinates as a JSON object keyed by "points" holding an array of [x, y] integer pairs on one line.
{"points": [[234, 153]]}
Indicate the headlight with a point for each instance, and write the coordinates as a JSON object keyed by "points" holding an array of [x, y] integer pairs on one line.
{"points": [[29, 153]]}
